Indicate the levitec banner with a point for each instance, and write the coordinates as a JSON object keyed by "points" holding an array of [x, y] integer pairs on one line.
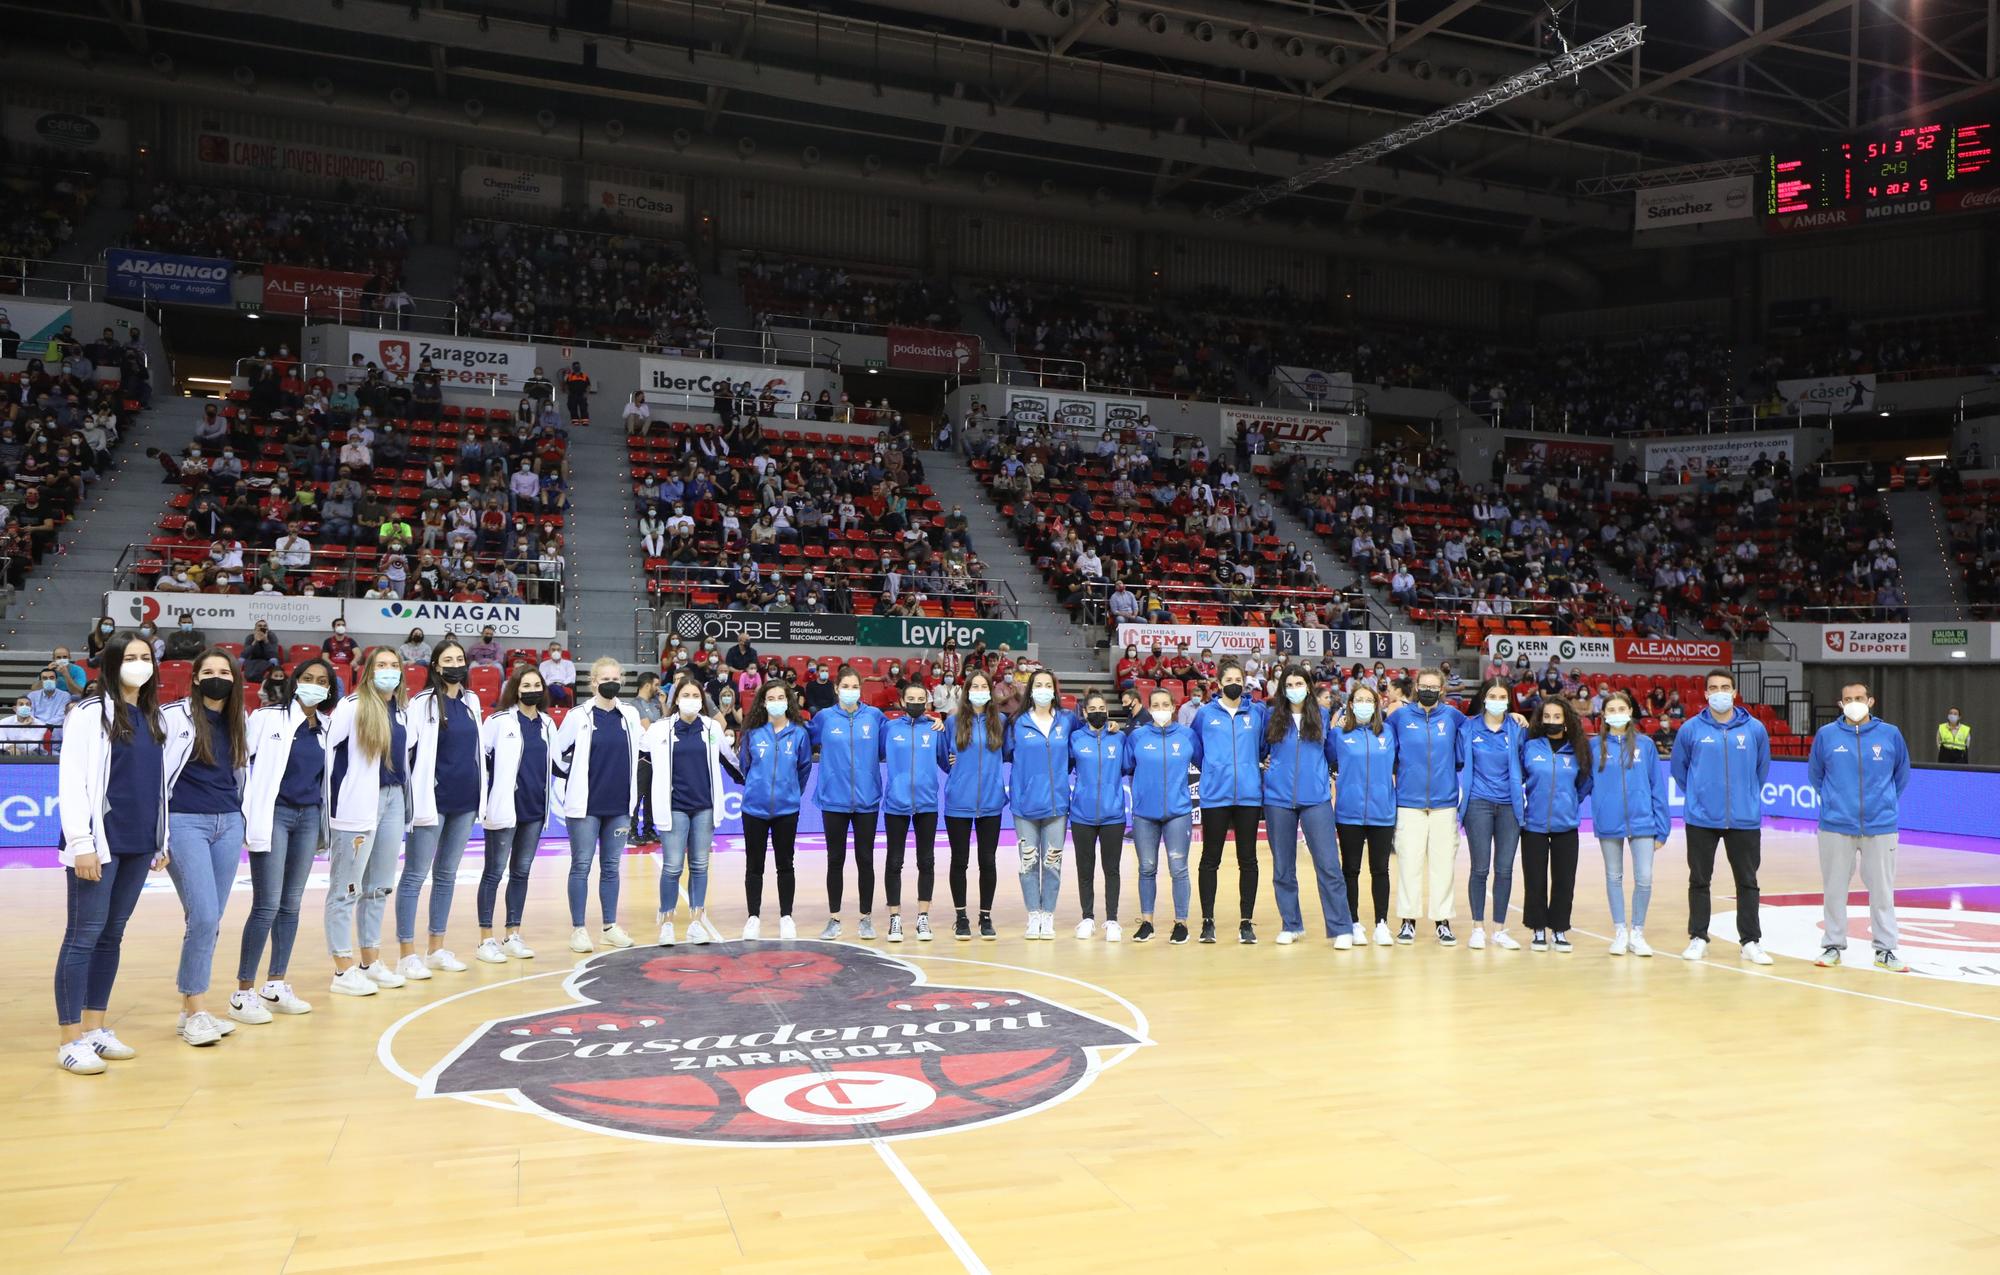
{"points": [[1836, 394], [226, 617], [1540, 650], [781, 628], [929, 350], [324, 294], [1694, 203], [460, 363], [371, 619], [1290, 433], [644, 206], [513, 187], [1714, 654], [1222, 639], [1347, 644], [923, 633], [1735, 452], [167, 277], [233, 156], [706, 376], [1861, 642], [63, 130]]}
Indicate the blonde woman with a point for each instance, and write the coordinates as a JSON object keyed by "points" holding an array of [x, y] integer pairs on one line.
{"points": [[596, 768], [368, 808], [686, 748]]}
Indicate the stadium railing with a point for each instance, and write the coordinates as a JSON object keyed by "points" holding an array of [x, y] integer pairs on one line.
{"points": [[335, 572]]}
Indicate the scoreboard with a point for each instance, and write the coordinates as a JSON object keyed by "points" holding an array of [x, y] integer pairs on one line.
{"points": [[1892, 166]]}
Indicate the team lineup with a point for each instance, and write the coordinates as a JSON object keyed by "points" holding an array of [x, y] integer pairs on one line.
{"points": [[379, 775]]}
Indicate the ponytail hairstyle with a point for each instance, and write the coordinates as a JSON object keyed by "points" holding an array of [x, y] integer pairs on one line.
{"points": [[232, 713], [1629, 748], [967, 714], [372, 728]]}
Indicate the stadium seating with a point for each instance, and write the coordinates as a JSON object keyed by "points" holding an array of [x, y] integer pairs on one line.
{"points": [[206, 222], [785, 286], [39, 211], [589, 285]]}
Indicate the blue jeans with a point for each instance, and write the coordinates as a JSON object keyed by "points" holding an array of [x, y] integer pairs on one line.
{"points": [[1178, 832], [685, 844], [1494, 835], [277, 882], [435, 850], [509, 850], [1613, 849], [98, 911], [1041, 843], [361, 875], [1282, 824], [205, 850], [600, 837]]}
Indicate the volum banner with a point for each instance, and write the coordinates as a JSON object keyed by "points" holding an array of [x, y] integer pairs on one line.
{"points": [[929, 350], [781, 628], [1347, 644], [929, 634], [1220, 638]]}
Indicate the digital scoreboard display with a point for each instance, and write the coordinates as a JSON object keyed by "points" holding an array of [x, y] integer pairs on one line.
{"points": [[1894, 165]]}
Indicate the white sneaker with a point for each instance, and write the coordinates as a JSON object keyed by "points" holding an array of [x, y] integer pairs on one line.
{"points": [[222, 1025], [445, 959], [786, 928], [1477, 939], [707, 923], [248, 1007], [517, 949], [382, 976], [616, 937], [1754, 953], [1343, 942], [77, 1056], [753, 929], [1034, 930], [1085, 928], [196, 1029], [352, 982], [696, 934], [1620, 940], [489, 951], [1505, 941], [1695, 950], [108, 1046], [1639, 945], [1359, 934], [1288, 937], [579, 940], [412, 967], [1114, 932], [279, 998], [1382, 936], [667, 938]]}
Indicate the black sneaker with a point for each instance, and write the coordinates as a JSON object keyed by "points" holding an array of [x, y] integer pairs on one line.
{"points": [[1144, 933], [1445, 936], [1246, 932], [1562, 941], [1180, 933], [1408, 934], [986, 930], [1207, 931], [1539, 942], [961, 929]]}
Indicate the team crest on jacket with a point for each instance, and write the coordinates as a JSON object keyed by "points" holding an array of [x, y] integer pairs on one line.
{"points": [[748, 1043]]}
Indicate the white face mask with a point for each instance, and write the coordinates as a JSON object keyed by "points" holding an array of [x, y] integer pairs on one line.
{"points": [[689, 706], [1162, 716], [1856, 711], [1617, 719], [135, 673]]}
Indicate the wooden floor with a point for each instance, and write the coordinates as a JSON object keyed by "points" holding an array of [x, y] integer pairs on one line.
{"points": [[1392, 1110]]}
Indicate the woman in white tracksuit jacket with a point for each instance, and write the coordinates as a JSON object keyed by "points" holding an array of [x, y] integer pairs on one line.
{"points": [[368, 807], [519, 740], [687, 815], [447, 796], [596, 771]]}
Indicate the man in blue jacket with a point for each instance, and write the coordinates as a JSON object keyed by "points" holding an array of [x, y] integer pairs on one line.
{"points": [[1721, 758], [1430, 747], [1860, 766]]}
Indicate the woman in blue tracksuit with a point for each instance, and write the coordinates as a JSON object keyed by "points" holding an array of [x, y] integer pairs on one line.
{"points": [[1555, 768], [773, 757], [914, 754], [1231, 728], [1158, 758], [1097, 751], [1299, 753], [1628, 807], [847, 743], [1489, 807], [1364, 806], [974, 796], [1038, 747]]}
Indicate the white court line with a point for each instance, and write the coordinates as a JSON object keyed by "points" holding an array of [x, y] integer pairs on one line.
{"points": [[1825, 987], [922, 1198]]}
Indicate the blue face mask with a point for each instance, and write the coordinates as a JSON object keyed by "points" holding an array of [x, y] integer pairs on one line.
{"points": [[1364, 711], [1296, 694], [1721, 701], [978, 699], [388, 679], [1043, 696], [850, 696], [311, 694]]}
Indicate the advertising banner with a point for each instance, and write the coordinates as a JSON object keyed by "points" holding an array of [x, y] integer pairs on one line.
{"points": [[1032, 406], [30, 812], [1735, 452], [705, 376], [227, 617], [779, 628], [233, 156], [1829, 393], [324, 294], [1076, 414], [1860, 642], [167, 277], [1222, 639], [1314, 385], [924, 633], [372, 619], [1347, 644], [1693, 203], [1290, 433], [929, 350], [1714, 654], [637, 205], [1556, 451], [36, 321], [460, 363], [63, 130], [1122, 413], [1540, 650], [515, 187]]}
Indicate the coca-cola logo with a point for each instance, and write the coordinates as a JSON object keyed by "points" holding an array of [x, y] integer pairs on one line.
{"points": [[1989, 198]]}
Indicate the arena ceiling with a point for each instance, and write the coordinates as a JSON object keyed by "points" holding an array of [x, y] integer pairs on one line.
{"points": [[1148, 103]]}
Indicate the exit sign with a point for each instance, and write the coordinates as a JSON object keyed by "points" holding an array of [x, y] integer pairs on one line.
{"points": [[1948, 637]]}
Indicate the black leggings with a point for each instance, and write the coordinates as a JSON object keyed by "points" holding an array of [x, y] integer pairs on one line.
{"points": [[1379, 841], [836, 823], [1216, 821], [959, 829], [1089, 839], [898, 828], [782, 832], [1549, 861]]}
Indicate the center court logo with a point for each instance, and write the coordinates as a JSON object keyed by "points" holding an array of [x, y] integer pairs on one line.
{"points": [[780, 1044]]}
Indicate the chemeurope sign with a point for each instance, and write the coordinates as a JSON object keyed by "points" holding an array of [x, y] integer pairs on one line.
{"points": [[781, 627]]}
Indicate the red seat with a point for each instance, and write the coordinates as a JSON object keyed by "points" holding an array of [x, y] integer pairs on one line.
{"points": [[485, 683]]}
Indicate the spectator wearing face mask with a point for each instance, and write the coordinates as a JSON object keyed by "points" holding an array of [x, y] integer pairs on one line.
{"points": [[51, 697], [559, 675], [338, 646], [187, 641]]}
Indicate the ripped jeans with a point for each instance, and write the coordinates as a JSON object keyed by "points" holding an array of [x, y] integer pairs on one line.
{"points": [[360, 877]]}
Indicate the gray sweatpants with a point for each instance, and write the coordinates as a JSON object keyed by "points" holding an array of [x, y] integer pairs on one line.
{"points": [[1837, 853]]}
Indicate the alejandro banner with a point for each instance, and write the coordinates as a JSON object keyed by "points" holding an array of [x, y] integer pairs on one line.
{"points": [[1708, 651], [1291, 433], [325, 294], [929, 350]]}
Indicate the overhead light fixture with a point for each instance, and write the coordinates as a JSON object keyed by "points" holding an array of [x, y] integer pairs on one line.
{"points": [[254, 315], [1958, 655]]}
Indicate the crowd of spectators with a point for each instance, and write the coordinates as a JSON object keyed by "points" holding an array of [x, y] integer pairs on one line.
{"points": [[1171, 348], [583, 284], [1836, 346], [775, 286], [347, 235], [39, 212]]}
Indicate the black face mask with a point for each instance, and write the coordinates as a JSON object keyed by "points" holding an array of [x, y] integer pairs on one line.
{"points": [[609, 690], [1232, 693], [1427, 697], [1097, 719], [453, 675], [915, 708], [216, 687], [533, 699]]}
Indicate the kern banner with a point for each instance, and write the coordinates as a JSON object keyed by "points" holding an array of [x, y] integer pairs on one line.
{"points": [[1735, 452], [1834, 394], [928, 633], [778, 628], [1221, 639], [514, 187], [705, 376], [930, 350], [235, 155], [168, 277], [460, 364], [1694, 203], [1864, 642], [1290, 433], [324, 294], [1540, 650], [637, 205], [1707, 651], [1347, 644], [1313, 385], [63, 130]]}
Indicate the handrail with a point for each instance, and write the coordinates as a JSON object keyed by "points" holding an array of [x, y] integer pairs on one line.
{"points": [[131, 571], [774, 347], [663, 574]]}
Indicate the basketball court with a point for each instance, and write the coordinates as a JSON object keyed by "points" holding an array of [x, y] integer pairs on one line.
{"points": [[1017, 1106]]}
